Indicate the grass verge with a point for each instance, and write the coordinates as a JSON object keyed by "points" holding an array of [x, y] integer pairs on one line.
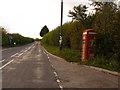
{"points": [[103, 62], [75, 56], [66, 53]]}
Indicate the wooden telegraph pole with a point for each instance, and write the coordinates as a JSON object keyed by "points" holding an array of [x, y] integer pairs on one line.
{"points": [[60, 40]]}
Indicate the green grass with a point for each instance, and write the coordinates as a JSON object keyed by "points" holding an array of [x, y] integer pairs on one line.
{"points": [[75, 56], [66, 53]]}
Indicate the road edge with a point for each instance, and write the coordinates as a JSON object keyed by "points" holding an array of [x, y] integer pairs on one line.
{"points": [[92, 67]]}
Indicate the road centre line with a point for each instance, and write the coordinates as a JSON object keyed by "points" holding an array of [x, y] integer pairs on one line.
{"points": [[20, 55], [22, 51], [25, 51], [29, 48], [14, 55], [6, 64]]}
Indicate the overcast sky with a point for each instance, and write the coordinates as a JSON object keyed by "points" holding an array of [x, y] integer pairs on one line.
{"points": [[27, 17]]}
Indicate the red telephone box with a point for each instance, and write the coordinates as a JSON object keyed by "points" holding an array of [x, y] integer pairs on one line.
{"points": [[88, 39]]}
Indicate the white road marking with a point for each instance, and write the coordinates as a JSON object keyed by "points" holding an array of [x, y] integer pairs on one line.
{"points": [[6, 64], [2, 60], [49, 60], [55, 74], [20, 54], [25, 51], [58, 80], [14, 55], [39, 50], [61, 87], [44, 52], [33, 46], [29, 47], [48, 57], [22, 51], [52, 66]]}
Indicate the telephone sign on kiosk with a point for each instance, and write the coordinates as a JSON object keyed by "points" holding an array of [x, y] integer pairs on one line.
{"points": [[88, 40]]}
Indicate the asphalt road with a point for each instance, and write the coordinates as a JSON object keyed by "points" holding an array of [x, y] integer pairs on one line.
{"points": [[6, 53], [30, 66]]}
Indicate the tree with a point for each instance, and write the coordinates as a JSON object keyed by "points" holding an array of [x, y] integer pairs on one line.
{"points": [[44, 31], [78, 13], [37, 39], [4, 41], [107, 24]]}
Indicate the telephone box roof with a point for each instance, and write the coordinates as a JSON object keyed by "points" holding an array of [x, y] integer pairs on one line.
{"points": [[89, 30]]}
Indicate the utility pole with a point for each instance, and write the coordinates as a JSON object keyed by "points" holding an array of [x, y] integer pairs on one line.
{"points": [[60, 40]]}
